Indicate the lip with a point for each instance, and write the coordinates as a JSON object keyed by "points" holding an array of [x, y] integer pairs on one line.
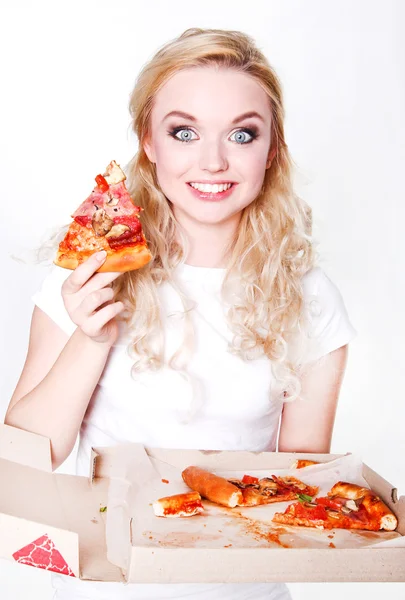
{"points": [[209, 196], [210, 181]]}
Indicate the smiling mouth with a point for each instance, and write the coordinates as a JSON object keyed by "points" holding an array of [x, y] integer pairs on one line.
{"points": [[208, 188]]}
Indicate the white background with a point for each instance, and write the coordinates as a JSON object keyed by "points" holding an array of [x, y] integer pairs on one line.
{"points": [[68, 69]]}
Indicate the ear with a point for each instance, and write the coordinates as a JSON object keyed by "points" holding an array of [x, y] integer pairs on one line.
{"points": [[271, 156], [148, 148]]}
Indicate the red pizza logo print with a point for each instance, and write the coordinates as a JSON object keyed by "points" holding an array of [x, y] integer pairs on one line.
{"points": [[41, 553]]}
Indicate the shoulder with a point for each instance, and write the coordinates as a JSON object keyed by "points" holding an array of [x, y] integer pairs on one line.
{"points": [[326, 323], [316, 283], [320, 294]]}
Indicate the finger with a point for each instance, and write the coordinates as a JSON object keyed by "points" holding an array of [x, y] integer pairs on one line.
{"points": [[83, 272], [93, 301], [98, 281], [95, 323]]}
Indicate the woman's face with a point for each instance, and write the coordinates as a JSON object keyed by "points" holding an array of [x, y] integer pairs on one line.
{"points": [[210, 127]]}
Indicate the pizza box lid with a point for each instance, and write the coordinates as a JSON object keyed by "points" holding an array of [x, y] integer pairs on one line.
{"points": [[53, 521]]}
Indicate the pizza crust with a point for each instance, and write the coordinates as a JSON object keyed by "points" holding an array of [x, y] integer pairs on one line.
{"points": [[119, 261], [351, 491], [215, 488]]}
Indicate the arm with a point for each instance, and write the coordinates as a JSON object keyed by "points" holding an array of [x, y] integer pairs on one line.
{"points": [[307, 424], [56, 384], [60, 374]]}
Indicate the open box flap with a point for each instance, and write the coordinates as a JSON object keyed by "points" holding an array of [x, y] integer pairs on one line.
{"points": [[127, 462], [52, 517], [26, 448]]}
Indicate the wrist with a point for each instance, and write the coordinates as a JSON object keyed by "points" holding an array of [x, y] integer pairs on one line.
{"points": [[102, 347]]}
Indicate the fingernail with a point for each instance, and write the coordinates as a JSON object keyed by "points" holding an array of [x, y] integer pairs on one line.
{"points": [[101, 255]]}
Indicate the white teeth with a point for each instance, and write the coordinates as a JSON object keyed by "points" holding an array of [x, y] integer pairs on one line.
{"points": [[212, 189]]}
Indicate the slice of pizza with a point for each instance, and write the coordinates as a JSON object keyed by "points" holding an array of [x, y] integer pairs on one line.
{"points": [[347, 506], [179, 505], [248, 491], [301, 463], [107, 220], [267, 490]]}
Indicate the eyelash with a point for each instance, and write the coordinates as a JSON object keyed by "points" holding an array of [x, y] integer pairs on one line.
{"points": [[250, 131]]}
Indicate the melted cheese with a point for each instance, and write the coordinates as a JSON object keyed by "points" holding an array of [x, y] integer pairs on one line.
{"points": [[83, 239]]}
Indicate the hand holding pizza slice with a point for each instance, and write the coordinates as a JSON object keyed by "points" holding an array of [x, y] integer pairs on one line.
{"points": [[107, 220]]}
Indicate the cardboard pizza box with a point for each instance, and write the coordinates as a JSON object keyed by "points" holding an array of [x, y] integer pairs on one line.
{"points": [[100, 527]]}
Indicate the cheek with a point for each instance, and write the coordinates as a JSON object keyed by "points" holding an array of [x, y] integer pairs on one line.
{"points": [[172, 160], [253, 170]]}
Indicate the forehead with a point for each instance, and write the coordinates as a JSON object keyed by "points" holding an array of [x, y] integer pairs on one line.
{"points": [[211, 94]]}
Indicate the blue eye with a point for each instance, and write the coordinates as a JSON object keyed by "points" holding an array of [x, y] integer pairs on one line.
{"points": [[185, 134], [243, 136]]}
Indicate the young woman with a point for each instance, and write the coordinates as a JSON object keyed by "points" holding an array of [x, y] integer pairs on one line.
{"points": [[235, 337]]}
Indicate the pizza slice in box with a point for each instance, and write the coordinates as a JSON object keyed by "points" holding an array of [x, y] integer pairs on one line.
{"points": [[107, 220], [301, 463], [267, 490], [346, 506], [179, 505]]}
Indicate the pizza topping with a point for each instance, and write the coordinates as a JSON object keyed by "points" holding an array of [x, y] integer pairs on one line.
{"points": [[313, 512], [268, 483], [83, 220], [113, 200], [334, 503], [305, 498], [101, 222], [117, 230], [287, 485], [250, 479], [243, 486], [80, 238], [114, 174], [352, 505], [268, 491], [102, 183]]}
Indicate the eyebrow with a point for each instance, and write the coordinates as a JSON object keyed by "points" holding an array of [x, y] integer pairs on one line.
{"points": [[243, 117]]}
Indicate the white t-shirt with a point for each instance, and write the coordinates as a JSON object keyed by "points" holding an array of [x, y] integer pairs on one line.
{"points": [[238, 408]]}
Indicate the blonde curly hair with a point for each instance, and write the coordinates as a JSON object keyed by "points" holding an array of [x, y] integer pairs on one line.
{"points": [[271, 251]]}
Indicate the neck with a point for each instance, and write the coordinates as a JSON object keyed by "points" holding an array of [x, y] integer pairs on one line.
{"points": [[209, 244]]}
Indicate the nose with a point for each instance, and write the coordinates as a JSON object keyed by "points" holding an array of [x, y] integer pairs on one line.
{"points": [[213, 156]]}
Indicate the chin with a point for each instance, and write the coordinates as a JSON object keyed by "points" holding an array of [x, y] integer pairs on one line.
{"points": [[215, 219]]}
